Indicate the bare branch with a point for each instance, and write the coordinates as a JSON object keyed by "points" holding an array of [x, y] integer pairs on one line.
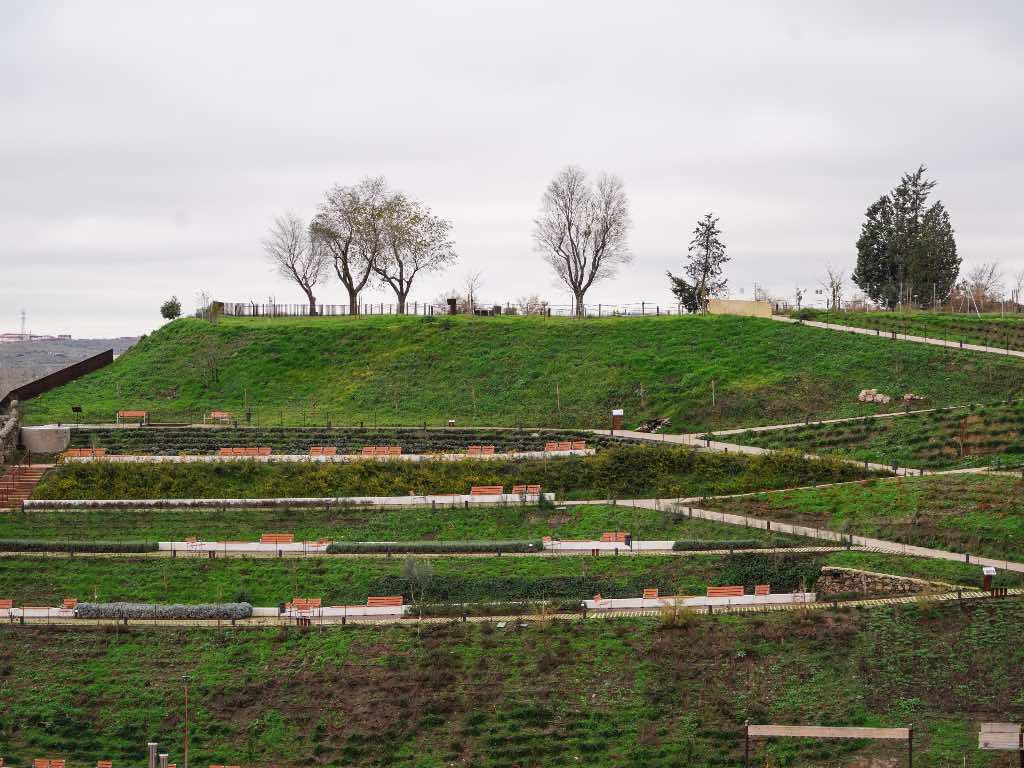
{"points": [[297, 257]]}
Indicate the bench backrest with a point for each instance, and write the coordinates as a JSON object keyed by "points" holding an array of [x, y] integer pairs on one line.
{"points": [[394, 450], [551, 446], [487, 450], [565, 445], [277, 538], [104, 764], [131, 414], [252, 451], [367, 450], [305, 603], [6, 604], [316, 450], [650, 594], [486, 490], [762, 589], [528, 489], [725, 591], [384, 602], [264, 450], [474, 450], [224, 451], [579, 445], [69, 603], [330, 450]]}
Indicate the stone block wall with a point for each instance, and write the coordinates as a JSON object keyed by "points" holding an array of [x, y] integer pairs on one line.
{"points": [[846, 581]]}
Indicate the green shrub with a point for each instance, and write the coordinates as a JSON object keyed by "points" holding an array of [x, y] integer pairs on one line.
{"points": [[697, 545], [36, 545], [203, 611], [434, 547]]}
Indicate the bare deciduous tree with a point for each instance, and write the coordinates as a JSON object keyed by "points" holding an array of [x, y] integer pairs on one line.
{"points": [[414, 241], [532, 305], [833, 286], [297, 256], [582, 229], [349, 225], [986, 282]]}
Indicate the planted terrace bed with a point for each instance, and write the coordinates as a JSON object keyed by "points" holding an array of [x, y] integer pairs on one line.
{"points": [[298, 440], [627, 471], [974, 436]]}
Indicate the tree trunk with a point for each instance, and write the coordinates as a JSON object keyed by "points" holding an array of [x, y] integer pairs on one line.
{"points": [[312, 303], [581, 309], [353, 302], [401, 304]]}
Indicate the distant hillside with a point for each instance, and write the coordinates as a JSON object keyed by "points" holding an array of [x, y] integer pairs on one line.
{"points": [[25, 361], [699, 371]]}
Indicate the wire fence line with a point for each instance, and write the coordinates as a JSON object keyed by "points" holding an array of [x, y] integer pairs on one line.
{"points": [[421, 309]]}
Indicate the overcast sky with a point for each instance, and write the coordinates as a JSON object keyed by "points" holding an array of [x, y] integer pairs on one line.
{"points": [[145, 147]]}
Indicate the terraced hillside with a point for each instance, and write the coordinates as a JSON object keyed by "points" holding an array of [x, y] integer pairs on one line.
{"points": [[982, 514], [974, 436], [990, 330], [701, 372], [598, 694]]}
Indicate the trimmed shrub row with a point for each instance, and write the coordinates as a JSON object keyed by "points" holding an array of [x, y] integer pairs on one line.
{"points": [[434, 547], [36, 545], [698, 545], [154, 611]]}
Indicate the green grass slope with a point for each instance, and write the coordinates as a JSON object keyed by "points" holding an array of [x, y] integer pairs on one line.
{"points": [[624, 693], [504, 371]]}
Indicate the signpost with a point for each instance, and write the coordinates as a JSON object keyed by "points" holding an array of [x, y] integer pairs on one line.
{"points": [[826, 732], [1003, 737], [616, 419]]}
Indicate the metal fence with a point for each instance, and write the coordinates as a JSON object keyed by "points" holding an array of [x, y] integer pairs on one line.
{"points": [[632, 309]]}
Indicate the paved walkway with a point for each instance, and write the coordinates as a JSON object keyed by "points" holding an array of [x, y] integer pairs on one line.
{"points": [[840, 539], [903, 337], [513, 620]]}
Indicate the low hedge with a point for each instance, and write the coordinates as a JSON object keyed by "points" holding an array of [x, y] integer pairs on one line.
{"points": [[154, 611], [699, 545], [36, 545], [433, 547]]}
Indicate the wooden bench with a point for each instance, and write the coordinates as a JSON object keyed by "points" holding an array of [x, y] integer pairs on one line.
{"points": [[762, 589], [474, 450], [391, 601], [617, 537], [651, 593], [316, 450], [565, 445], [486, 490], [277, 538], [579, 445], [140, 415], [69, 604], [480, 450], [224, 417], [305, 604], [367, 450], [6, 605], [85, 453], [725, 591], [323, 450], [263, 450], [520, 490], [225, 452], [552, 446], [104, 764]]}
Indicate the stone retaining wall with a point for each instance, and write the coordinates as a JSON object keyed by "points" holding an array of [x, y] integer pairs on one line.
{"points": [[851, 581], [9, 426]]}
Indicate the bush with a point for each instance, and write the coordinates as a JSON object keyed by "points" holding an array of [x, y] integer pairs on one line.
{"points": [[697, 545], [199, 611], [433, 547], [36, 545]]}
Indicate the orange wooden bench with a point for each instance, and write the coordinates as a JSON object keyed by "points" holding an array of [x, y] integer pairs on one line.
{"points": [[263, 450], [725, 591], [394, 450], [367, 450], [651, 594], [85, 453], [323, 450], [474, 450], [486, 490], [69, 604], [385, 602], [140, 415], [565, 445], [519, 490], [225, 452], [221, 416], [304, 604], [762, 589], [104, 764], [277, 538], [252, 451], [487, 450], [316, 450], [618, 537], [579, 445], [553, 446], [6, 604]]}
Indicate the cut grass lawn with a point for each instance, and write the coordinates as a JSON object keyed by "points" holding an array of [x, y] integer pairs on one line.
{"points": [[42, 580], [981, 514], [622, 472], [556, 372], [974, 436], [990, 330], [476, 523], [626, 694]]}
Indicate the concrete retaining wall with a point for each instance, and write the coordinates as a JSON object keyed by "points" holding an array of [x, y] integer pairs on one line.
{"points": [[48, 439], [745, 308]]}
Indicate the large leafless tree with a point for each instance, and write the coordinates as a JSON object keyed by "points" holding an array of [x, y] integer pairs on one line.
{"points": [[350, 226], [297, 256], [414, 241], [582, 229]]}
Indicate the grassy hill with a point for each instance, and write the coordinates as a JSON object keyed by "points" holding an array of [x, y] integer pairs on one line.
{"points": [[622, 693], [701, 372]]}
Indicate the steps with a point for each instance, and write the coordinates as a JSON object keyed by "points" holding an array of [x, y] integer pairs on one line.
{"points": [[19, 482]]}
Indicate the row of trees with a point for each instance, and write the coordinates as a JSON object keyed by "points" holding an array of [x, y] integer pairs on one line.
{"points": [[367, 233]]}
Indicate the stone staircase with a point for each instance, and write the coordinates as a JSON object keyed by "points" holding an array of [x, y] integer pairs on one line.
{"points": [[18, 482]]}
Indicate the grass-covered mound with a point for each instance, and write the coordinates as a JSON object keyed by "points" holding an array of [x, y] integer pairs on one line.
{"points": [[507, 371], [633, 471], [981, 514], [343, 580], [975, 436], [990, 330], [514, 521], [620, 693]]}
